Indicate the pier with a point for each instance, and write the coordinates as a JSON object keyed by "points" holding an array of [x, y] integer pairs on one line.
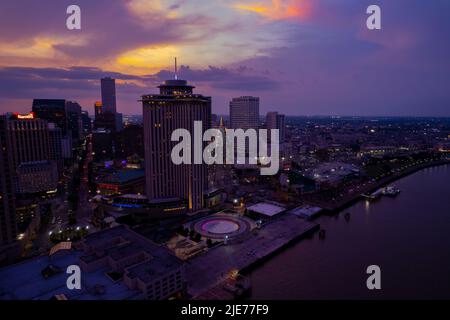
{"points": [[206, 271]]}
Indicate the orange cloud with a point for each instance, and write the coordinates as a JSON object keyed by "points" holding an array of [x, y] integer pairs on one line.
{"points": [[277, 9]]}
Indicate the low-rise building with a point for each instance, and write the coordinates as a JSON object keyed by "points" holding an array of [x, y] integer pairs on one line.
{"points": [[124, 181], [116, 264]]}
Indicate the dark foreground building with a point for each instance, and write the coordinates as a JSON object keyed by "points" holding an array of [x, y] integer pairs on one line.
{"points": [[116, 264], [8, 228]]}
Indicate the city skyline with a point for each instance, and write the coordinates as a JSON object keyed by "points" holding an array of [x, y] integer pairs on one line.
{"points": [[227, 150], [300, 57]]}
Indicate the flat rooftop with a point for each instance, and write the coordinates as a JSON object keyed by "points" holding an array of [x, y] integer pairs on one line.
{"points": [[24, 281], [267, 209], [123, 176], [306, 211]]}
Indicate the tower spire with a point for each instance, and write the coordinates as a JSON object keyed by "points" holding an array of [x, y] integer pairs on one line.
{"points": [[176, 69]]}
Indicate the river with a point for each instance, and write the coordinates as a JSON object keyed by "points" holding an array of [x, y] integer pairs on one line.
{"points": [[408, 237]]}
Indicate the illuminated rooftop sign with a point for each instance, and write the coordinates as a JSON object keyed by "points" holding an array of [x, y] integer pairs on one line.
{"points": [[24, 116]]}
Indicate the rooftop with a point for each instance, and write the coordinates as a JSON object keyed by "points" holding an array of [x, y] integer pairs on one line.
{"points": [[267, 209], [25, 280], [123, 176]]}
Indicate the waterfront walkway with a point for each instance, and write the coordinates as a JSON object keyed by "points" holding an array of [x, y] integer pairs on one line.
{"points": [[370, 187], [206, 270]]}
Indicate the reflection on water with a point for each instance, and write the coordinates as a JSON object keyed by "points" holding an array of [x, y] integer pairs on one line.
{"points": [[407, 236]]}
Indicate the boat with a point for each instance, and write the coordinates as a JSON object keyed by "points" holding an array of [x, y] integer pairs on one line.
{"points": [[391, 191]]}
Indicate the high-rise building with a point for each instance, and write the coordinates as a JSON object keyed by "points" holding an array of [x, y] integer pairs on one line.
{"points": [[98, 108], [86, 121], [175, 107], [119, 122], [108, 94], [105, 120], [131, 141], [274, 120], [271, 120], [34, 155], [29, 139], [52, 110], [103, 144], [56, 146], [106, 115], [8, 227], [244, 113], [74, 120], [282, 127]]}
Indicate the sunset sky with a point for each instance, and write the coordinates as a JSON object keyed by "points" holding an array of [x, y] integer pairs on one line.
{"points": [[302, 57]]}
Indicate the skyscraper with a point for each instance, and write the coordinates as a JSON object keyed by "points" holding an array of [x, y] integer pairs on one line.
{"points": [[52, 110], [29, 140], [274, 120], [8, 227], [34, 156], [107, 111], [98, 108], [56, 146], [244, 113], [86, 122], [108, 94], [74, 120], [175, 107]]}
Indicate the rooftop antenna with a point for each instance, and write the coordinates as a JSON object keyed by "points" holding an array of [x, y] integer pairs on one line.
{"points": [[176, 69]]}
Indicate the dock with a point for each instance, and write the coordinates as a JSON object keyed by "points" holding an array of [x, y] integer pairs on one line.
{"points": [[205, 272]]}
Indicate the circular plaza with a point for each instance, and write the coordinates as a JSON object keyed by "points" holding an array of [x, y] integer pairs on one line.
{"points": [[221, 225]]}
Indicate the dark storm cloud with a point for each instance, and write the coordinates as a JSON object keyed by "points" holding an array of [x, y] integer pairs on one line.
{"points": [[28, 82], [328, 63]]}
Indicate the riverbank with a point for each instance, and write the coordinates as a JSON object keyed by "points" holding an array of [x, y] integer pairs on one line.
{"points": [[371, 187], [404, 235], [206, 270]]}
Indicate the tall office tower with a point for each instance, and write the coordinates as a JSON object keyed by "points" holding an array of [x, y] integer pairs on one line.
{"points": [[244, 113], [108, 94], [106, 120], [52, 110], [86, 122], [98, 108], [73, 110], [282, 127], [274, 120], [29, 139], [103, 144], [119, 122], [107, 111], [175, 107], [8, 227], [56, 147], [35, 169]]}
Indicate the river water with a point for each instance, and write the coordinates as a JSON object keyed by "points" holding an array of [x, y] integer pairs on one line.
{"points": [[408, 237]]}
